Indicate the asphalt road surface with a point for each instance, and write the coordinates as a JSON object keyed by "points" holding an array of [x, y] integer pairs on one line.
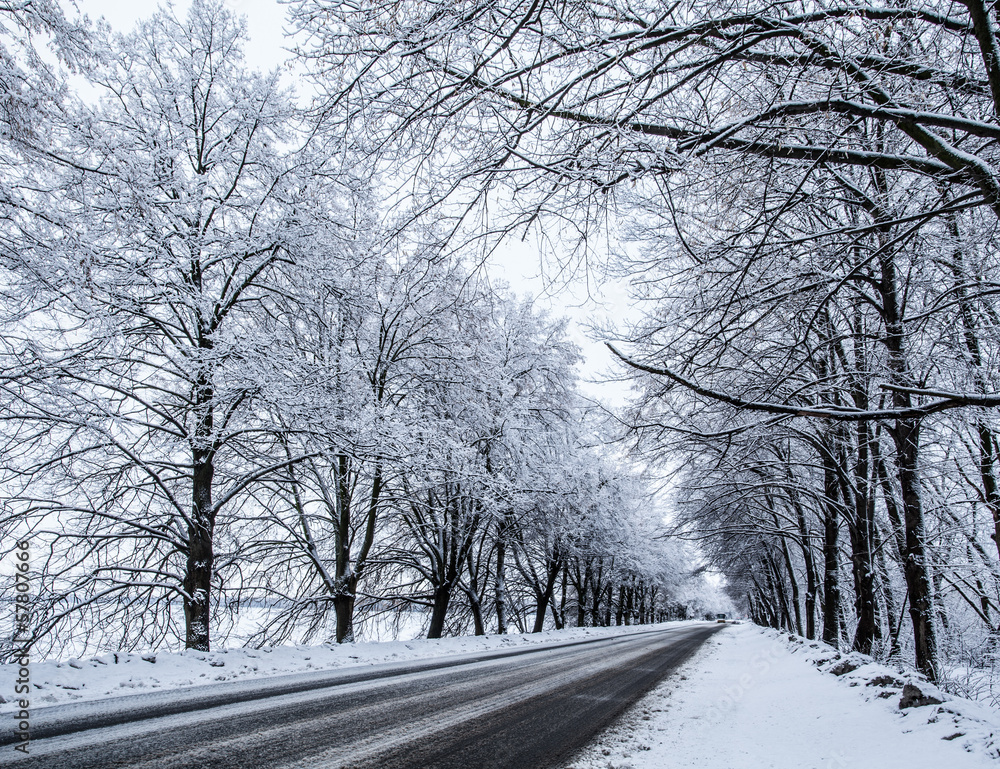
{"points": [[525, 710]]}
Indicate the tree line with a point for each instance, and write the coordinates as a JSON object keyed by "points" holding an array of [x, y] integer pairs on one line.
{"points": [[804, 198], [242, 394]]}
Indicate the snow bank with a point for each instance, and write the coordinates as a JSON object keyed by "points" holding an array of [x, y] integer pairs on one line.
{"points": [[114, 675], [753, 698]]}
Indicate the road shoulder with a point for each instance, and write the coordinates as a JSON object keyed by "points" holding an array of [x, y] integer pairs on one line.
{"points": [[745, 699]]}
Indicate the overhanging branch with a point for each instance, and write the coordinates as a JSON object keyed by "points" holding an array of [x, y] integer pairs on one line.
{"points": [[945, 401]]}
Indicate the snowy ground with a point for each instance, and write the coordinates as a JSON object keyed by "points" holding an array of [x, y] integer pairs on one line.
{"points": [[114, 675], [754, 698]]}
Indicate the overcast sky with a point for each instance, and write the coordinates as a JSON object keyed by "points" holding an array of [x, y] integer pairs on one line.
{"points": [[265, 22]]}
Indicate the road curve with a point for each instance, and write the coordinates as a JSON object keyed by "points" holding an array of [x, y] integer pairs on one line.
{"points": [[531, 710]]}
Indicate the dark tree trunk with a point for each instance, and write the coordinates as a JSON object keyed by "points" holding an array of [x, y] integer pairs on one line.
{"points": [[789, 568], [343, 601], [831, 561], [899, 541], [499, 578], [793, 581], [558, 618], [582, 585], [810, 566], [347, 574], [597, 591], [541, 606], [777, 586], [343, 607], [861, 525], [987, 472], [868, 632], [560, 614], [439, 610], [200, 553], [916, 569], [477, 613], [887, 595], [200, 560], [906, 439], [472, 592]]}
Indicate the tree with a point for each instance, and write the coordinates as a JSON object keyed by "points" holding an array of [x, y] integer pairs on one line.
{"points": [[179, 206], [597, 94], [489, 411], [366, 346], [29, 96]]}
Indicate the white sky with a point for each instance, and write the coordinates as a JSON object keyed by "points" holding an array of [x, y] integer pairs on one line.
{"points": [[518, 264], [265, 23]]}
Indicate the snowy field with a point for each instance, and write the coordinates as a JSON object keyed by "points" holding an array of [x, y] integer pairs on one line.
{"points": [[114, 675], [755, 698]]}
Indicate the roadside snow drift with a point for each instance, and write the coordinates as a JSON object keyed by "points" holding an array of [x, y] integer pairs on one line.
{"points": [[755, 698]]}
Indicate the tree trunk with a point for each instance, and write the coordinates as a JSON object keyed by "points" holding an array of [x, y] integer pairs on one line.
{"points": [[970, 333], [831, 562], [557, 616], [789, 568], [499, 579], [200, 559], [477, 613], [544, 596], [807, 557], [442, 596], [581, 596], [472, 592], [906, 437], [915, 566], [597, 591], [560, 615], [343, 606], [868, 632], [777, 585], [887, 595], [200, 553]]}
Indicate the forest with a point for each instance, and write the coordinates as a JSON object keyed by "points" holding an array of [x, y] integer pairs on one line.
{"points": [[253, 368]]}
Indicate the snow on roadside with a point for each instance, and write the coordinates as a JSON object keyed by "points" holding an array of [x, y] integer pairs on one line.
{"points": [[117, 674], [753, 698]]}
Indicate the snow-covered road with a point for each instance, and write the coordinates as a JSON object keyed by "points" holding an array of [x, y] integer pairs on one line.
{"points": [[532, 708]]}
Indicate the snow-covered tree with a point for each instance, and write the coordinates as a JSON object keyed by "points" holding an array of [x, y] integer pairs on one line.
{"points": [[191, 201]]}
